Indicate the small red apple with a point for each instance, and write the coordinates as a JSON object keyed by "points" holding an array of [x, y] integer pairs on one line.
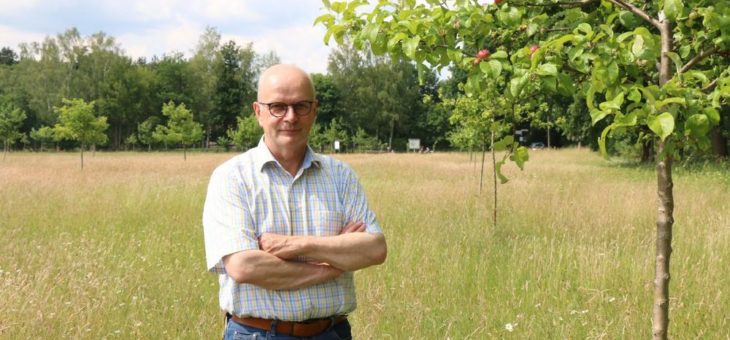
{"points": [[534, 49], [483, 54], [497, 2]]}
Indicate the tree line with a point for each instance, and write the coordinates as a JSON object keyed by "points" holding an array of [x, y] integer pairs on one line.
{"points": [[367, 101]]}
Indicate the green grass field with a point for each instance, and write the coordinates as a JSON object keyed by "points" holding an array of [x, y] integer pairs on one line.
{"points": [[116, 250]]}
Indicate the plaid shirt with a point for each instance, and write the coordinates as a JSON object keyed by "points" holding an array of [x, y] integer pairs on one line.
{"points": [[252, 194]]}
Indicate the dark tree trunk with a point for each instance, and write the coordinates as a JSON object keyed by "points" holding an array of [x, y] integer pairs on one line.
{"points": [[647, 151], [719, 143]]}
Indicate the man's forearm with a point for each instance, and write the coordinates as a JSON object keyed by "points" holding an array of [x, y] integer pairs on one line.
{"points": [[347, 252], [268, 271]]}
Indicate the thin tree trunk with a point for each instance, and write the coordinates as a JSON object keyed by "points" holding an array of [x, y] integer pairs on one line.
{"points": [[481, 175], [665, 215], [5, 149], [664, 223], [548, 137], [82, 156], [494, 182], [185, 153]]}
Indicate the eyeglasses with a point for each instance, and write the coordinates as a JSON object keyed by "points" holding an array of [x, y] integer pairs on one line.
{"points": [[278, 109]]}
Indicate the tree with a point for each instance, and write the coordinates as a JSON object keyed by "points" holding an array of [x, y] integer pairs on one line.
{"points": [[180, 128], [78, 122], [145, 131], [44, 136], [11, 118], [246, 134], [234, 90], [8, 56], [660, 69], [203, 68]]}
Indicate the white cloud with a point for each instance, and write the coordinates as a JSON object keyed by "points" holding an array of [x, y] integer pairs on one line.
{"points": [[11, 6], [12, 37], [179, 37], [303, 46]]}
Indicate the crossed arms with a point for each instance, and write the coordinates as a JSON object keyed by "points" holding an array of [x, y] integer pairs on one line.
{"points": [[271, 267]]}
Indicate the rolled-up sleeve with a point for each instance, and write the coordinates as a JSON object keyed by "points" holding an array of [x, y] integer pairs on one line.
{"points": [[227, 223]]}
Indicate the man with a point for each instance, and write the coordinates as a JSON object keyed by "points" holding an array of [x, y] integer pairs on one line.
{"points": [[286, 227]]}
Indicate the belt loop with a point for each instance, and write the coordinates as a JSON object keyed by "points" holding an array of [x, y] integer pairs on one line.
{"points": [[273, 327]]}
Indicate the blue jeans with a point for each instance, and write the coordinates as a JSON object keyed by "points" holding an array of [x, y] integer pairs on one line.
{"points": [[237, 331]]}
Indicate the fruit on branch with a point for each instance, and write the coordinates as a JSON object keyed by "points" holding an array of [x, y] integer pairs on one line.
{"points": [[534, 48]]}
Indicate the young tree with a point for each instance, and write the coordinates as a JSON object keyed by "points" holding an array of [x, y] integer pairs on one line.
{"points": [[180, 128], [146, 130], [657, 66], [44, 135], [78, 122], [11, 119], [246, 134]]}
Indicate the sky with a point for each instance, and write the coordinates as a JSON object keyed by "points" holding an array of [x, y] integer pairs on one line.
{"points": [[144, 28]]}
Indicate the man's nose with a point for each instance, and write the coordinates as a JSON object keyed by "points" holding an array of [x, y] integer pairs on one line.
{"points": [[290, 115]]}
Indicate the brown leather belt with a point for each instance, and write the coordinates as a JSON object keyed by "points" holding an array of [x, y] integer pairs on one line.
{"points": [[301, 329]]}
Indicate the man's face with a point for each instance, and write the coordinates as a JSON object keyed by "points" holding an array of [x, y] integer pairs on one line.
{"points": [[289, 132]]}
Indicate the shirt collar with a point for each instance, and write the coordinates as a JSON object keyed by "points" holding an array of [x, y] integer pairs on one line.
{"points": [[262, 156]]}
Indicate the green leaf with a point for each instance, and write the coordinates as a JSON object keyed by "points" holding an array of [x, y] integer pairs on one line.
{"points": [[673, 9], [327, 19], [516, 85], [410, 46], [498, 55], [613, 72], [520, 156], [590, 97], [602, 140], [496, 68], [498, 171], [486, 68], [672, 100], [697, 125], [712, 115], [694, 74], [585, 28], [662, 125], [613, 104], [396, 39], [634, 95], [625, 121], [597, 116], [547, 70], [454, 55], [676, 59], [504, 143]]}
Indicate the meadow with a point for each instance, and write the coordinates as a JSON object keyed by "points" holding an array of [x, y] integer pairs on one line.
{"points": [[116, 251]]}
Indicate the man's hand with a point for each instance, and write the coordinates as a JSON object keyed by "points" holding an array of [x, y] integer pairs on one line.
{"points": [[281, 246], [353, 227]]}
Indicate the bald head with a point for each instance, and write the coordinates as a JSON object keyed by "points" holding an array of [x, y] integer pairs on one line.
{"points": [[285, 77]]}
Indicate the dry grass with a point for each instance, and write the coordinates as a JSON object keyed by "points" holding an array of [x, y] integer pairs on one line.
{"points": [[116, 250]]}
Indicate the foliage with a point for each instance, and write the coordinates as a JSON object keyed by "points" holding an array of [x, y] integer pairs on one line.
{"points": [[145, 131], [180, 127], [234, 92], [364, 142], [11, 118], [78, 122], [45, 135], [322, 137], [247, 132]]}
